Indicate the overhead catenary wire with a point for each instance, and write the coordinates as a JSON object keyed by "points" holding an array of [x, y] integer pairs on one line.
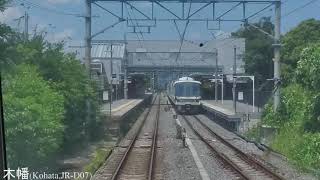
{"points": [[130, 19], [299, 8], [184, 32], [261, 14], [137, 24]]}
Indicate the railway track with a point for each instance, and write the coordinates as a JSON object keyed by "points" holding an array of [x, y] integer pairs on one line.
{"points": [[138, 159], [241, 164]]}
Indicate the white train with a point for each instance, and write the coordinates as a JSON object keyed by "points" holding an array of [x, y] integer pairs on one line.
{"points": [[185, 95]]}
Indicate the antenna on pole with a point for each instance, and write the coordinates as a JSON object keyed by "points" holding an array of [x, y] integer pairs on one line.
{"points": [[26, 26]]}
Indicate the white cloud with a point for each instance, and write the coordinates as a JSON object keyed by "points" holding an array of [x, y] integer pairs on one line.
{"points": [[10, 14]]}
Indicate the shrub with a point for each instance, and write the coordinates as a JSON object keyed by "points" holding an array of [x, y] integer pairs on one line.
{"points": [[33, 114]]}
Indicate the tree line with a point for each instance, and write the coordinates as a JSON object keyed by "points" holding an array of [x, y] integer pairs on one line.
{"points": [[50, 103], [298, 118]]}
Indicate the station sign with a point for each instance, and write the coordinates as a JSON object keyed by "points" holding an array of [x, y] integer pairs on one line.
{"points": [[105, 95], [240, 96]]}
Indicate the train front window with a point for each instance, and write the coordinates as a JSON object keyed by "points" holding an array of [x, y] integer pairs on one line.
{"points": [[187, 89]]}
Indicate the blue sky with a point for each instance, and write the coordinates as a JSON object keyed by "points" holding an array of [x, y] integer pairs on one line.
{"points": [[49, 16]]}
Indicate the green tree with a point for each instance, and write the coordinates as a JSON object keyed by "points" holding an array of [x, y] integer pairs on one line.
{"points": [[306, 33], [33, 114], [298, 117], [2, 4], [259, 51], [307, 74], [68, 76]]}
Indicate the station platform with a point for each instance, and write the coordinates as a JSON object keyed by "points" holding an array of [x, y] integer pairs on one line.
{"points": [[120, 108], [246, 116]]}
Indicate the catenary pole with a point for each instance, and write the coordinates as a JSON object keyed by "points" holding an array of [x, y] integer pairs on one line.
{"points": [[26, 26], [125, 65], [277, 47], [216, 79], [234, 80], [88, 36], [3, 160]]}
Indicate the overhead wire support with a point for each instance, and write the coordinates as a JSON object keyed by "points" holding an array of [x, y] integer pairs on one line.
{"points": [[133, 23], [137, 25], [105, 9], [232, 8], [168, 10], [106, 28], [183, 34], [201, 8], [143, 14]]}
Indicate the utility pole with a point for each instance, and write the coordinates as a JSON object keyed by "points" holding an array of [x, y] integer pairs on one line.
{"points": [[277, 47], [125, 65], [234, 80], [153, 81], [111, 82], [111, 72], [88, 36], [88, 49], [222, 90], [3, 159], [26, 26], [216, 79]]}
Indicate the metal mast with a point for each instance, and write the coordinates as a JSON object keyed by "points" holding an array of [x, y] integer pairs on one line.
{"points": [[216, 79], [26, 26], [234, 81], [277, 47], [88, 36]]}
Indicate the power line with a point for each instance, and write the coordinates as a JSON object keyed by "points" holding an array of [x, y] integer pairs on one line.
{"points": [[137, 23], [35, 5], [133, 24], [252, 18], [184, 32], [299, 8]]}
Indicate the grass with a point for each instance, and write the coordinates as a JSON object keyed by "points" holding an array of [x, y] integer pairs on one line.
{"points": [[98, 159], [254, 133], [302, 149]]}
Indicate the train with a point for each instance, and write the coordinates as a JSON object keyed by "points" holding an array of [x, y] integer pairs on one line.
{"points": [[136, 85], [185, 95]]}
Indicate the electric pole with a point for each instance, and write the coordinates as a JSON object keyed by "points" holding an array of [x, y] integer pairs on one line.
{"points": [[88, 49], [125, 65], [88, 36], [216, 79], [277, 47], [3, 160], [26, 26], [234, 80]]}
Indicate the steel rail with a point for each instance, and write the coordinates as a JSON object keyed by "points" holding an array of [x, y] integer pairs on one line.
{"points": [[124, 157], [249, 159], [224, 158], [154, 144]]}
